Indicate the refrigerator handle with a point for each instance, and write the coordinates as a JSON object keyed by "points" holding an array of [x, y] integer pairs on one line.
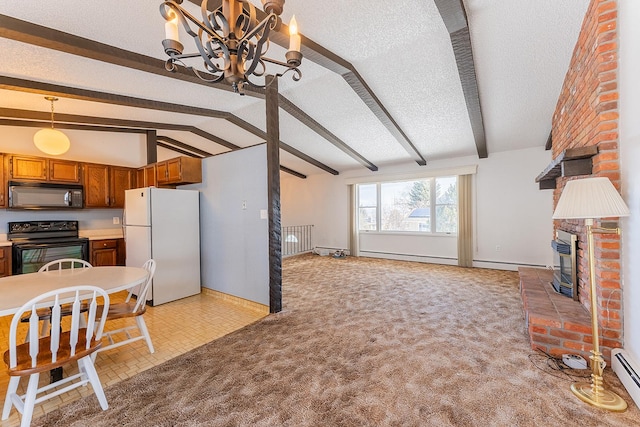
{"points": [[124, 222]]}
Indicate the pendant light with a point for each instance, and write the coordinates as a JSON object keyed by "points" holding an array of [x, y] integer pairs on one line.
{"points": [[49, 140]]}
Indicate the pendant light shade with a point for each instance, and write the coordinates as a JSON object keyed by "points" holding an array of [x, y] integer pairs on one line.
{"points": [[49, 140]]}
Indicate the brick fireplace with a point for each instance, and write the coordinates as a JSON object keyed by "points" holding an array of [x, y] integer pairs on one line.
{"points": [[586, 116]]}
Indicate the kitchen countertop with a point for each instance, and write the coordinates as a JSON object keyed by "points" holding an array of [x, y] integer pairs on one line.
{"points": [[110, 233]]}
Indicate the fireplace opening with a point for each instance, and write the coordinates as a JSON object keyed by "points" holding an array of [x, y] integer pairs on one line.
{"points": [[565, 277]]}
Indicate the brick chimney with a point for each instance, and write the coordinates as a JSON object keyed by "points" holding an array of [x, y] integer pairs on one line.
{"points": [[587, 115]]}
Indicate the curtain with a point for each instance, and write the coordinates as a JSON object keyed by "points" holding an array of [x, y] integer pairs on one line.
{"points": [[465, 223], [354, 246]]}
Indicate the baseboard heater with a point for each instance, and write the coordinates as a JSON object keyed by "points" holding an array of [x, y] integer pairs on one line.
{"points": [[628, 372]]}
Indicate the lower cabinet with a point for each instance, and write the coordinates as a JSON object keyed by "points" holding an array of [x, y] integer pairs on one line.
{"points": [[5, 261], [107, 252]]}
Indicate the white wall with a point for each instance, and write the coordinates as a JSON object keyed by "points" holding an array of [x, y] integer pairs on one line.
{"points": [[234, 255], [88, 219], [629, 107], [112, 148], [510, 211]]}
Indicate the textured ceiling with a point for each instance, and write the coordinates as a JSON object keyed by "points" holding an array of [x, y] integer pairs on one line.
{"points": [[402, 51]]}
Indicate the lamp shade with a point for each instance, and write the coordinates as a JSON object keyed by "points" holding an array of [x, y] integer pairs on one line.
{"points": [[51, 141], [590, 198]]}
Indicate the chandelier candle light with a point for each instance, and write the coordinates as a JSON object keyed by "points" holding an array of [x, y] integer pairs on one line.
{"points": [[230, 41], [49, 140], [587, 199]]}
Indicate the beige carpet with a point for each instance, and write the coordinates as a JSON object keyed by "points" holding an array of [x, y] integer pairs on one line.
{"points": [[362, 342]]}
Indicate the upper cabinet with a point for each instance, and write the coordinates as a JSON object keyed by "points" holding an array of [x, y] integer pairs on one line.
{"points": [[3, 183], [64, 171], [23, 168], [147, 176], [104, 185], [172, 172], [181, 170], [28, 168], [96, 186], [121, 179]]}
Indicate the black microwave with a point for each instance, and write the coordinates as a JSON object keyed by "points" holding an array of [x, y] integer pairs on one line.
{"points": [[44, 195]]}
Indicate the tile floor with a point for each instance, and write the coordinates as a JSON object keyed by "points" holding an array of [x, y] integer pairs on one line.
{"points": [[175, 328]]}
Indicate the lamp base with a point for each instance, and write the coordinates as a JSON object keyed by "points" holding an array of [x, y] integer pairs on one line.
{"points": [[605, 399]]}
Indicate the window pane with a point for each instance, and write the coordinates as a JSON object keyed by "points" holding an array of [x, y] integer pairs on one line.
{"points": [[367, 196], [446, 219], [367, 219], [405, 206], [447, 190]]}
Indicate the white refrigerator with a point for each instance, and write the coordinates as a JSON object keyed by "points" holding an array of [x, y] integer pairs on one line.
{"points": [[164, 224]]}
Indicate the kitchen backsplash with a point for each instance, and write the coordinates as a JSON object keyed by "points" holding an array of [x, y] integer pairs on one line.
{"points": [[89, 219]]}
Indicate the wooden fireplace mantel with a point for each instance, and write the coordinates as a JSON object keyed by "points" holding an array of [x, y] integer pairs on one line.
{"points": [[571, 162]]}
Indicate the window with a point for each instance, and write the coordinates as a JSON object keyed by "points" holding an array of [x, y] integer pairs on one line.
{"points": [[367, 207], [427, 205]]}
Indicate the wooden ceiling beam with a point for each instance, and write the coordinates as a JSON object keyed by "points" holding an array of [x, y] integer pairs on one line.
{"points": [[292, 109], [193, 151], [38, 35], [314, 52], [11, 83], [70, 121], [176, 149], [173, 144], [455, 19]]}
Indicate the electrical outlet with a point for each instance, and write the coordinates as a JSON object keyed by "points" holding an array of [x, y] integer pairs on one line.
{"points": [[244, 205], [498, 248], [116, 220]]}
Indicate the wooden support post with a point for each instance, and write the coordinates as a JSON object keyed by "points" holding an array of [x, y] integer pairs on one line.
{"points": [[152, 146], [273, 189]]}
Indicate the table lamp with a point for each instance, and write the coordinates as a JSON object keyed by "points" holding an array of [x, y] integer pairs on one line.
{"points": [[587, 199]]}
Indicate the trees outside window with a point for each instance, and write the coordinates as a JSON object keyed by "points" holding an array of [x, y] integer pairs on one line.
{"points": [[426, 205]]}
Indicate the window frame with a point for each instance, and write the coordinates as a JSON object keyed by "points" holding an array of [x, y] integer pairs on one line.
{"points": [[432, 206]]}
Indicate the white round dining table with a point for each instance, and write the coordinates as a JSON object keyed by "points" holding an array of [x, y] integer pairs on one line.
{"points": [[17, 290]]}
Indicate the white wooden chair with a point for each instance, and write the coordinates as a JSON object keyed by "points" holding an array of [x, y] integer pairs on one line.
{"points": [[44, 314], [65, 263], [56, 350], [130, 309]]}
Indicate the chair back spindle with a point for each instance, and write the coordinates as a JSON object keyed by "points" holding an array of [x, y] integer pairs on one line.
{"points": [[69, 341], [73, 296]]}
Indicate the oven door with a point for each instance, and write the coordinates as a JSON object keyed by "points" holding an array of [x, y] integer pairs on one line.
{"points": [[28, 257]]}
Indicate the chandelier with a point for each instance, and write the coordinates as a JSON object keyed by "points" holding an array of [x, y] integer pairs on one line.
{"points": [[230, 41]]}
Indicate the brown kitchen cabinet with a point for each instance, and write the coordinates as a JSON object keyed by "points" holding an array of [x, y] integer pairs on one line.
{"points": [[5, 261], [96, 186], [104, 185], [121, 179], [28, 168], [180, 170], [64, 171], [24, 168], [3, 183], [146, 176], [107, 252]]}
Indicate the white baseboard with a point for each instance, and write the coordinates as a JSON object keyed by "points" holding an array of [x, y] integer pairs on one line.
{"points": [[627, 370], [415, 258], [496, 265]]}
